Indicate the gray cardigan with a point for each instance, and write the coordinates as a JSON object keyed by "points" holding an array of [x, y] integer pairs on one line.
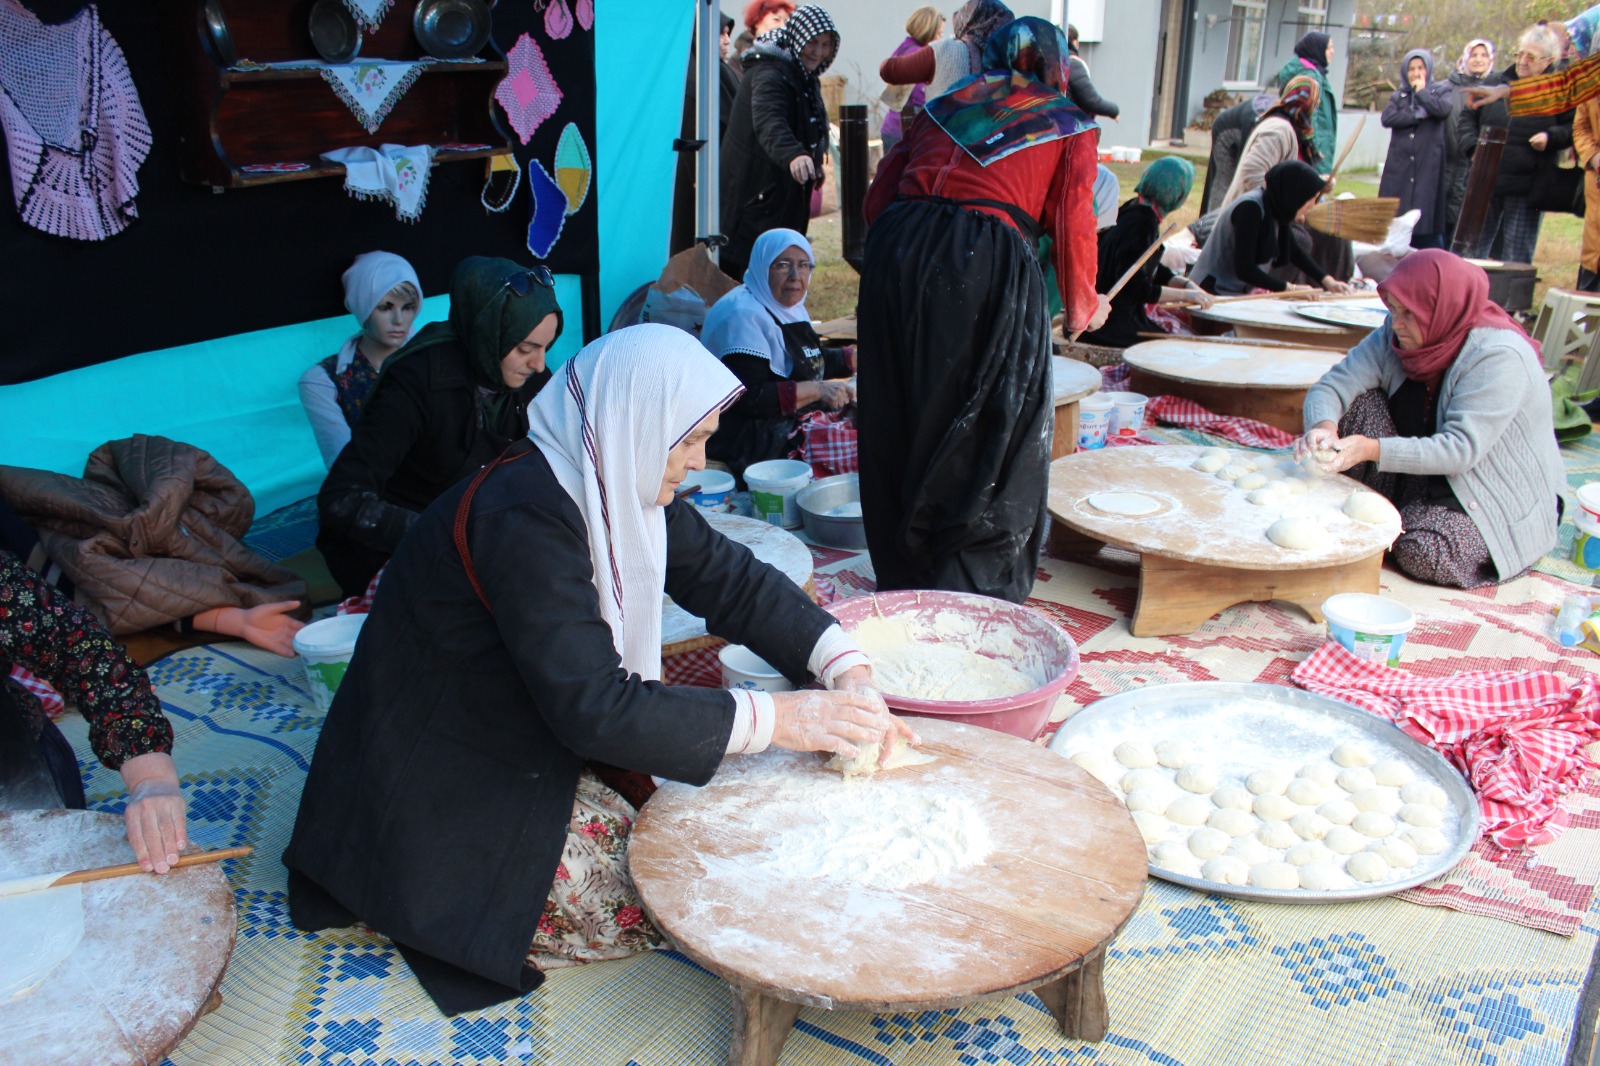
{"points": [[1495, 442]]}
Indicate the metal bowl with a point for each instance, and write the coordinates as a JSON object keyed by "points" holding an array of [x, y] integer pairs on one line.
{"points": [[820, 497], [451, 29], [334, 33], [215, 36]]}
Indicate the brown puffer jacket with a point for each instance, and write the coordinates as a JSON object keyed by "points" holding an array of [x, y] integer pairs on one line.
{"points": [[150, 533]]}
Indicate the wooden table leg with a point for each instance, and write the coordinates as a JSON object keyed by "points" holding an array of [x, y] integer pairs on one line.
{"points": [[1065, 441], [761, 1024], [1078, 1000], [1177, 597], [1064, 540]]}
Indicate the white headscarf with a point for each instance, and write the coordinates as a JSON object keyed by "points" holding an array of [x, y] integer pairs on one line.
{"points": [[605, 424], [747, 319], [372, 277]]}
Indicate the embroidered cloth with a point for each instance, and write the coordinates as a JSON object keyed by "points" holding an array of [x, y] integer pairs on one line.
{"points": [[395, 172], [368, 12], [528, 92], [372, 87]]}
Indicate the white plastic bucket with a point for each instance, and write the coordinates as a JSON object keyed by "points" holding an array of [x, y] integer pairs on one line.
{"points": [[1094, 420], [1370, 627], [715, 486], [773, 485], [1586, 545], [325, 648], [743, 668], [1133, 155], [1589, 500], [1127, 416]]}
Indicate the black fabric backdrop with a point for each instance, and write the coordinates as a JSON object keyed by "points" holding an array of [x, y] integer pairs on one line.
{"points": [[198, 265]]}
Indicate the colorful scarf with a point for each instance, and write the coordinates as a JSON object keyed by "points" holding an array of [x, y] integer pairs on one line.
{"points": [[1296, 104], [1449, 298], [1019, 101], [1165, 184], [1584, 29]]}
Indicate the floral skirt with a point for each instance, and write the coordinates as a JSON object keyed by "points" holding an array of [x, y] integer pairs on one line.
{"points": [[593, 911]]}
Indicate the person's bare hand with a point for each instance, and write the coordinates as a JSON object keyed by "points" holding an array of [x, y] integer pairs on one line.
{"points": [[854, 679], [1539, 141], [833, 394], [1352, 451], [1476, 96], [269, 626], [1320, 439], [1295, 286], [1333, 284], [839, 722], [803, 169], [1102, 311], [154, 818]]}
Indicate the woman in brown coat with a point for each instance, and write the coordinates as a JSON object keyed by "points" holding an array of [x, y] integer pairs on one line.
{"points": [[1586, 142]]}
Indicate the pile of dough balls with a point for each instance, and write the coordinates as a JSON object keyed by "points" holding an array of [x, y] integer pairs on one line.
{"points": [[1267, 480], [1349, 819]]}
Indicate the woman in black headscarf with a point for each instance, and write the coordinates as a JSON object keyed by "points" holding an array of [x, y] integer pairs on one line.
{"points": [[777, 135], [1312, 54], [1255, 232]]}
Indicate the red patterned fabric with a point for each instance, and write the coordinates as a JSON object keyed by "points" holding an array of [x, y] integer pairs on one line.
{"points": [[829, 443], [1518, 736], [1177, 411], [362, 604], [48, 697]]}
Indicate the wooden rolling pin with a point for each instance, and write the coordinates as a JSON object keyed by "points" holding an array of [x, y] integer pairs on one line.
{"points": [[18, 885]]}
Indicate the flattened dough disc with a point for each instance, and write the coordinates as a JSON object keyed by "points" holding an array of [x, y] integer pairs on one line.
{"points": [[38, 930], [1124, 503]]}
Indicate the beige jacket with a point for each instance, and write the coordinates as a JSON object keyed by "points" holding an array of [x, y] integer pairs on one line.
{"points": [[1273, 141]]}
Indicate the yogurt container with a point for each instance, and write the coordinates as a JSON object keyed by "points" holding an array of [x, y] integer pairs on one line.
{"points": [[1094, 420]]}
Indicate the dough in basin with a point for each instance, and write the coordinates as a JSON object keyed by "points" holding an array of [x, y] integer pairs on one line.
{"points": [[1135, 754], [1124, 503]]}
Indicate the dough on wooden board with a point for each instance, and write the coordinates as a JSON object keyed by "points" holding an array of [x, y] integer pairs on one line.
{"points": [[1233, 471], [1270, 496], [1210, 464], [865, 761], [1297, 534], [38, 930], [1367, 506], [1124, 503], [1251, 481]]}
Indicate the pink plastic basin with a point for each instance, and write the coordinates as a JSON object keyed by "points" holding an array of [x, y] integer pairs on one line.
{"points": [[1051, 654]]}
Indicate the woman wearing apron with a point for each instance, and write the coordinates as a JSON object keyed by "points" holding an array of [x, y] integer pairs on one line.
{"points": [[762, 332]]}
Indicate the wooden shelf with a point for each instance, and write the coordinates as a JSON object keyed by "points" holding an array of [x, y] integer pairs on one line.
{"points": [[238, 76]]}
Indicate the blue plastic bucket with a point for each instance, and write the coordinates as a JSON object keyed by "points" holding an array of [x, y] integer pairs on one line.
{"points": [[1370, 627]]}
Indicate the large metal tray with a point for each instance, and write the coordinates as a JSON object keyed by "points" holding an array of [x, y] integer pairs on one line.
{"points": [[1247, 727]]}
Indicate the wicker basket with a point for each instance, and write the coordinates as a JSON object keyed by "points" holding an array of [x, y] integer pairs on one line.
{"points": [[1093, 354]]}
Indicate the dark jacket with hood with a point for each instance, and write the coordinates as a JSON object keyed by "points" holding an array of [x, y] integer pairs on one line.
{"points": [[1414, 168], [1520, 164]]}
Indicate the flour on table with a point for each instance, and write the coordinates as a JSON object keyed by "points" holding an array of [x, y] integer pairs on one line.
{"points": [[38, 930], [932, 661]]}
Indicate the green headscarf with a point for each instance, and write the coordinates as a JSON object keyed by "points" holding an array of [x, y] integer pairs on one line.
{"points": [[1166, 183]]}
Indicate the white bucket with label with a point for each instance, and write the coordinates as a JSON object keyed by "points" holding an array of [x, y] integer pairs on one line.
{"points": [[1370, 627], [325, 647], [773, 485], [1094, 420], [743, 668]]}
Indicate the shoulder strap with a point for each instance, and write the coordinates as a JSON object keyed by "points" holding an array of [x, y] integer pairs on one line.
{"points": [[459, 530]]}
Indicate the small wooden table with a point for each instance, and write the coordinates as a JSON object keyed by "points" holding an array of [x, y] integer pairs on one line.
{"points": [[682, 631], [1265, 383], [1066, 869], [1206, 549], [152, 955], [1276, 320], [1071, 381]]}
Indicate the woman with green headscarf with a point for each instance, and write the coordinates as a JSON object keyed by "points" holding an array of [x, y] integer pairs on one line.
{"points": [[448, 402], [1162, 189]]}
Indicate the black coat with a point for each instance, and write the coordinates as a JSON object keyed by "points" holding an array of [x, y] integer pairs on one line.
{"points": [[1136, 229], [1414, 168], [1521, 166], [1228, 134], [437, 802], [421, 432], [777, 115], [755, 428]]}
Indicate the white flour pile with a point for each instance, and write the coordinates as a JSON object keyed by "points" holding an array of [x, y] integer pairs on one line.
{"points": [[936, 660]]}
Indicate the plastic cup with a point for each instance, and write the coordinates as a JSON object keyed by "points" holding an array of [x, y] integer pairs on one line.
{"points": [[773, 485], [715, 486], [1094, 421], [1372, 628], [1586, 545], [325, 648], [1127, 415]]}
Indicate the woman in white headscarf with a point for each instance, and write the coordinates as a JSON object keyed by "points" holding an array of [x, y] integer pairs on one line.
{"points": [[464, 798], [383, 293], [762, 332]]}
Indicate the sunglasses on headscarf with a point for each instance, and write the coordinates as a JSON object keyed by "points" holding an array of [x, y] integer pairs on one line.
{"points": [[521, 283]]}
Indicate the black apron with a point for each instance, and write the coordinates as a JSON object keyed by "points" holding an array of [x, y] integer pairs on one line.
{"points": [[742, 441]]}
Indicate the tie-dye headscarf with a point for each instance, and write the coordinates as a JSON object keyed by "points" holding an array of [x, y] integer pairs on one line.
{"points": [[976, 21], [1584, 29], [1297, 103], [1165, 184]]}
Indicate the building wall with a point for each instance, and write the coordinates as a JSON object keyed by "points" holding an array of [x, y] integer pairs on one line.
{"points": [[1124, 66], [1210, 45]]}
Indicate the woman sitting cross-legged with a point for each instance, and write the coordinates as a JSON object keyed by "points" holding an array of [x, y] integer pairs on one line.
{"points": [[1255, 232], [762, 332], [1445, 411], [454, 803]]}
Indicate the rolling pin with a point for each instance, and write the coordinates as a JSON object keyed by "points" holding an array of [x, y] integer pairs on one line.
{"points": [[16, 886]]}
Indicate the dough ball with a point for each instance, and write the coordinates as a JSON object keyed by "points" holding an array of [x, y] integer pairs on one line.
{"points": [[1307, 852], [1101, 766], [1373, 824], [1277, 835], [1190, 810], [1368, 867], [1234, 823], [1152, 827], [1323, 773], [1275, 808], [1198, 778], [1310, 825], [1367, 506], [1208, 843], [1210, 464], [1233, 471], [1251, 481], [1307, 793], [1323, 877], [1174, 856], [1219, 453], [1426, 841], [1295, 486], [1225, 870], [1353, 754], [1135, 754], [1379, 798], [1425, 792], [1278, 875], [1272, 474], [1345, 840], [1265, 497], [1355, 778], [1297, 534], [1422, 814], [1250, 851], [1155, 800], [1396, 852], [1339, 812], [1232, 796], [1267, 782], [1134, 780], [1287, 466], [1174, 754], [1393, 772]]}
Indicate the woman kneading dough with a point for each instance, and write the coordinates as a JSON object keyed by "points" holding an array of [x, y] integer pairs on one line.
{"points": [[1255, 232], [1445, 411], [515, 641]]}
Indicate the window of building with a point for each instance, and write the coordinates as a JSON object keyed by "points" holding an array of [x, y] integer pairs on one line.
{"points": [[1246, 35], [1313, 14]]}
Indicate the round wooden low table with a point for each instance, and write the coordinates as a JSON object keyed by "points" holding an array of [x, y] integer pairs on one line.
{"points": [[1071, 381], [1066, 869], [153, 952], [1265, 383], [1276, 320], [1206, 548], [682, 631]]}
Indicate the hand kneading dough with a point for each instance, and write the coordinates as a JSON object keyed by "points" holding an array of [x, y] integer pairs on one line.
{"points": [[1135, 754], [1124, 503], [1154, 799], [1307, 852], [1275, 808], [1274, 875], [1426, 841], [1351, 754], [1198, 778], [1232, 796], [1373, 824], [1394, 772], [1380, 798], [1102, 767], [1355, 778], [1422, 814], [1339, 812], [1267, 782], [1225, 870], [1367, 867], [1277, 835], [865, 761], [1233, 471], [1371, 508], [1175, 857], [1323, 877], [1208, 843], [1234, 823], [1190, 810], [1210, 464], [1305, 792], [1174, 754], [1297, 534], [1425, 792], [1253, 480], [1134, 780], [1395, 852], [1345, 840], [1310, 825], [1152, 827]]}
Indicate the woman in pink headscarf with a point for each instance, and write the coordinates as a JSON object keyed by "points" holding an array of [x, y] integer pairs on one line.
{"points": [[1445, 411]]}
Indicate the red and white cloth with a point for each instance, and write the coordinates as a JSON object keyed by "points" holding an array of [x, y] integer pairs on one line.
{"points": [[362, 604], [828, 443], [1519, 737], [1186, 414], [51, 700]]}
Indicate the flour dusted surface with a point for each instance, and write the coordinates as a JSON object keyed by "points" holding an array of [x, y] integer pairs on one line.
{"points": [[940, 659]]}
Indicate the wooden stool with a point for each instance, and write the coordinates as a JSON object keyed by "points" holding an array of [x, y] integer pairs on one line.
{"points": [[1066, 869], [1261, 382], [1566, 326]]}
